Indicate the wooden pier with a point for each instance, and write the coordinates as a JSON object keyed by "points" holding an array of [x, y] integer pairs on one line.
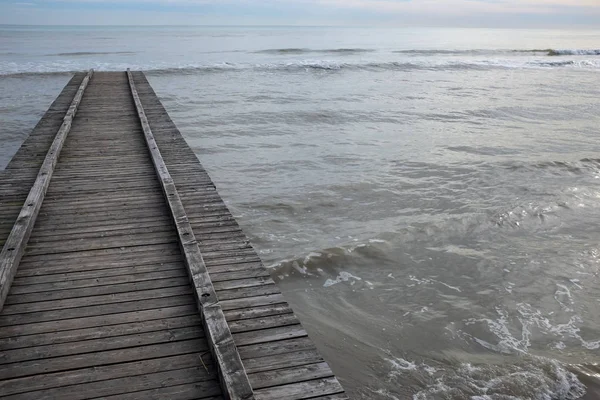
{"points": [[123, 275]]}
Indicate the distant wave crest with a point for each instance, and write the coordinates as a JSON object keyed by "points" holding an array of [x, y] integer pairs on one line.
{"points": [[89, 53], [574, 52], [12, 69], [436, 52], [325, 65], [286, 51], [544, 52]]}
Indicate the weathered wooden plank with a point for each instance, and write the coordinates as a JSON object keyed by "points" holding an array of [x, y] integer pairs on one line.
{"points": [[245, 259], [288, 376], [243, 283], [24, 308], [273, 349], [207, 238], [202, 390], [257, 312], [101, 256], [130, 384], [79, 279], [82, 337], [243, 254], [45, 382], [39, 268], [13, 249], [269, 335], [78, 225], [283, 360], [108, 227], [90, 290], [25, 368], [226, 247], [109, 242], [249, 302], [94, 345], [231, 370], [106, 200], [234, 267], [226, 276], [244, 292], [302, 390], [78, 190], [77, 185], [254, 324], [94, 310], [110, 216], [94, 326]]}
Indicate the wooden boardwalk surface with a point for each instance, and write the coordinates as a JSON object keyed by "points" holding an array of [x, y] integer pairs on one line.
{"points": [[136, 281]]}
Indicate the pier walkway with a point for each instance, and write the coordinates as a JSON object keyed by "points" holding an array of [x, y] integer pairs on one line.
{"points": [[123, 275]]}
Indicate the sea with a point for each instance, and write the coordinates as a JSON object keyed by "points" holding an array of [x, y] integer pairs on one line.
{"points": [[427, 199]]}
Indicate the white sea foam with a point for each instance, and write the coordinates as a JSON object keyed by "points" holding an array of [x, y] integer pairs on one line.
{"points": [[531, 317], [449, 286], [563, 297], [534, 378], [311, 255], [576, 52], [400, 364], [512, 339], [429, 281], [342, 277], [162, 68], [301, 269], [507, 342]]}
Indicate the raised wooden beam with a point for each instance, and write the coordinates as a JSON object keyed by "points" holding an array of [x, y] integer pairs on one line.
{"points": [[13, 249], [234, 379]]}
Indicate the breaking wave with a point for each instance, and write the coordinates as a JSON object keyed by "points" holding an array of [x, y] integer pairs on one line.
{"points": [[287, 51], [296, 66], [531, 377], [585, 165], [89, 53], [574, 52], [541, 52]]}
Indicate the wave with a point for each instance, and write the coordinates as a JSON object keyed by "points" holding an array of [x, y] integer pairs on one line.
{"points": [[555, 63], [297, 66], [328, 264], [435, 52], [317, 51], [530, 377], [89, 53], [574, 52], [38, 74], [545, 52], [379, 66], [585, 165], [325, 65]]}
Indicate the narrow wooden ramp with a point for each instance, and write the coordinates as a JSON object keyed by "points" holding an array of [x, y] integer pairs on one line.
{"points": [[109, 299]]}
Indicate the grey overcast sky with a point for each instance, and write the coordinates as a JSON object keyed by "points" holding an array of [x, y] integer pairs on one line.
{"points": [[490, 13]]}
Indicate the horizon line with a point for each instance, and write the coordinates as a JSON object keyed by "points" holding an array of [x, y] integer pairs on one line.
{"points": [[585, 27]]}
